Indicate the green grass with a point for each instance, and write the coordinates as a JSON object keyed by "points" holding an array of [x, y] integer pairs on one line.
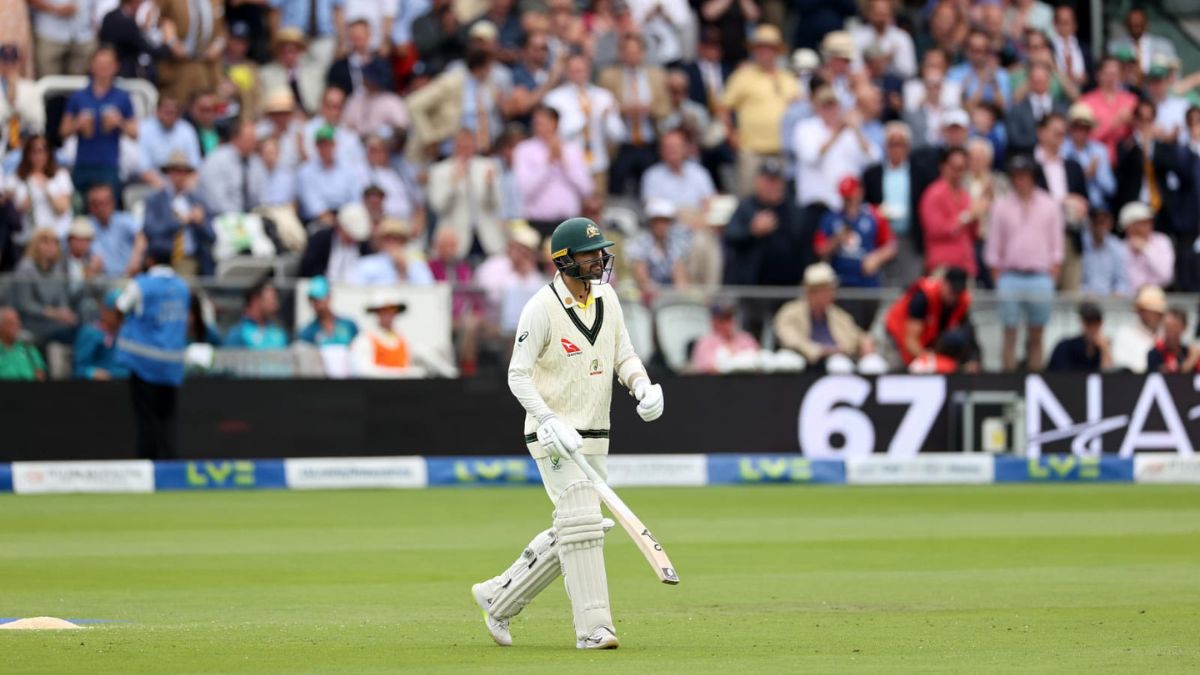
{"points": [[1069, 578]]}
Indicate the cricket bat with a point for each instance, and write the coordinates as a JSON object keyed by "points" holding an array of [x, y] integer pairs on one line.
{"points": [[645, 541]]}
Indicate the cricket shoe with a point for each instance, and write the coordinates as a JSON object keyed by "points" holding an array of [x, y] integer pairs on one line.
{"points": [[601, 638], [497, 628]]}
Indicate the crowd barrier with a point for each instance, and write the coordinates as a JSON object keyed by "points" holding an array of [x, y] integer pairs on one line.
{"points": [[144, 476]]}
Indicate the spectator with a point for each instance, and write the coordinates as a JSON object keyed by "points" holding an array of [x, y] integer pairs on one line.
{"points": [[178, 220], [83, 265], [1111, 106], [868, 102], [200, 330], [380, 351], [768, 240], [1143, 45], [1150, 255], [757, 94], [464, 194], [15, 30], [395, 263], [927, 115], [350, 152], [926, 160], [551, 174], [325, 183], [41, 192], [829, 147], [876, 73], [948, 219], [1133, 342], [288, 71], [676, 178], [980, 76], [438, 37], [931, 308], [283, 127], [1089, 352], [41, 290], [641, 95], [466, 311], [1170, 110], [98, 115], [334, 252], [65, 36], [379, 17], [1064, 179], [1025, 117], [857, 243], [22, 111], [1105, 260], [239, 83], [510, 193], [95, 353], [194, 31], [984, 184], [1025, 251], [399, 200], [712, 353], [708, 72], [588, 115], [658, 253], [509, 280], [1090, 155], [815, 327], [986, 126], [1039, 54], [19, 360], [136, 51], [202, 115], [162, 135], [375, 109], [503, 15], [694, 120], [321, 24], [725, 26], [535, 74], [888, 186], [1071, 57], [326, 328], [839, 57], [1170, 353], [233, 178], [948, 29], [1147, 169], [119, 241], [259, 327], [879, 29], [348, 73]]}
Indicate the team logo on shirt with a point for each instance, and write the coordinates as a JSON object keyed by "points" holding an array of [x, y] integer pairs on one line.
{"points": [[570, 348], [596, 368]]}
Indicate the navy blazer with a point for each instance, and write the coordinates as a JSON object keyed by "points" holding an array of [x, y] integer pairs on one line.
{"points": [[160, 224], [696, 90], [1022, 127]]}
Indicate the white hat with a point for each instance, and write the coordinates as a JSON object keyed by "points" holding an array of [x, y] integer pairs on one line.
{"points": [[1134, 212], [819, 274], [805, 59], [1151, 298], [838, 45], [484, 30], [81, 228], [521, 232], [956, 117], [658, 207], [720, 210], [355, 221]]}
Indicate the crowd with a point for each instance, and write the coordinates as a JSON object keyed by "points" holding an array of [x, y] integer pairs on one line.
{"points": [[935, 147]]}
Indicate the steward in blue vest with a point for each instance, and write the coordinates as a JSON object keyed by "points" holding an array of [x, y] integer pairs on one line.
{"points": [[151, 345]]}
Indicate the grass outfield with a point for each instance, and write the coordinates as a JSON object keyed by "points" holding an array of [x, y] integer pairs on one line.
{"points": [[1068, 578]]}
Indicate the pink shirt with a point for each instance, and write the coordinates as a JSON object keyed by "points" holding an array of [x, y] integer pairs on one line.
{"points": [[550, 191], [947, 241], [1154, 265], [1107, 130], [1025, 236], [711, 346]]}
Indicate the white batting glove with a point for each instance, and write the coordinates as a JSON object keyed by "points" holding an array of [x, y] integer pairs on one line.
{"points": [[558, 439], [650, 399]]}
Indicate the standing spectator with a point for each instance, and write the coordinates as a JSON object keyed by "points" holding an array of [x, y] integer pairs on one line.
{"points": [[136, 52], [95, 353], [1170, 109], [757, 94], [22, 111], [552, 175], [41, 290], [375, 109], [119, 241], [640, 92], [162, 135], [708, 73], [1063, 178], [333, 252], [857, 243], [948, 221], [1090, 155], [287, 70], [820, 18], [321, 23], [588, 115], [535, 74], [1111, 106], [326, 328], [980, 76], [1150, 255], [259, 327], [348, 72], [99, 114], [1147, 169], [815, 327], [926, 161], [464, 194], [509, 280], [1143, 45], [693, 119], [926, 116], [65, 36], [197, 42], [233, 177], [19, 360], [1170, 353], [395, 263], [985, 185], [676, 178], [41, 191], [1089, 352], [829, 147], [510, 193], [1133, 342], [1025, 251], [178, 220], [725, 24], [1105, 260], [932, 310], [769, 241], [466, 310], [438, 37], [713, 352], [1071, 57], [879, 28], [326, 184], [1023, 120], [659, 252]]}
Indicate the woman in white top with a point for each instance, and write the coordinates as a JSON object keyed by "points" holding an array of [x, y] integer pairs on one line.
{"points": [[41, 191]]}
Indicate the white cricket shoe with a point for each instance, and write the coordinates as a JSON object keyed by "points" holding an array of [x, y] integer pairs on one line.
{"points": [[601, 638], [498, 628]]}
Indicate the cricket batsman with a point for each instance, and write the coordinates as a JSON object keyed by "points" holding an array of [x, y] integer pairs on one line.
{"points": [[571, 340]]}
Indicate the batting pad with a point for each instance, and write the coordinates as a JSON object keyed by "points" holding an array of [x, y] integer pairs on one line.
{"points": [[579, 526], [535, 569]]}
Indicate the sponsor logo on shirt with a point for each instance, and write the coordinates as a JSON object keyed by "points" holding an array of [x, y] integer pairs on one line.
{"points": [[570, 348]]}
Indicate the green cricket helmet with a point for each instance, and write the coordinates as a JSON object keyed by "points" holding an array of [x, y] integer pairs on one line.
{"points": [[579, 235]]}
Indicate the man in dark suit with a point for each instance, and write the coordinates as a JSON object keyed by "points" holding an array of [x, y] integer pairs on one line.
{"points": [[889, 187], [1187, 220], [177, 220], [1148, 166], [707, 74], [347, 72], [1051, 132], [1022, 120], [333, 251]]}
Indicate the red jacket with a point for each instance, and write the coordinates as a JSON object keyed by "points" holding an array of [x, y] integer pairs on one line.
{"points": [[897, 316]]}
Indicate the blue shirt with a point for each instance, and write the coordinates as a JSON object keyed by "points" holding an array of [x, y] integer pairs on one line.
{"points": [[686, 190], [101, 149], [847, 260], [965, 75], [378, 269], [155, 144], [343, 333], [1104, 266], [249, 335], [1100, 186], [96, 350], [324, 188], [295, 14], [114, 242], [406, 12], [796, 112], [897, 197]]}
